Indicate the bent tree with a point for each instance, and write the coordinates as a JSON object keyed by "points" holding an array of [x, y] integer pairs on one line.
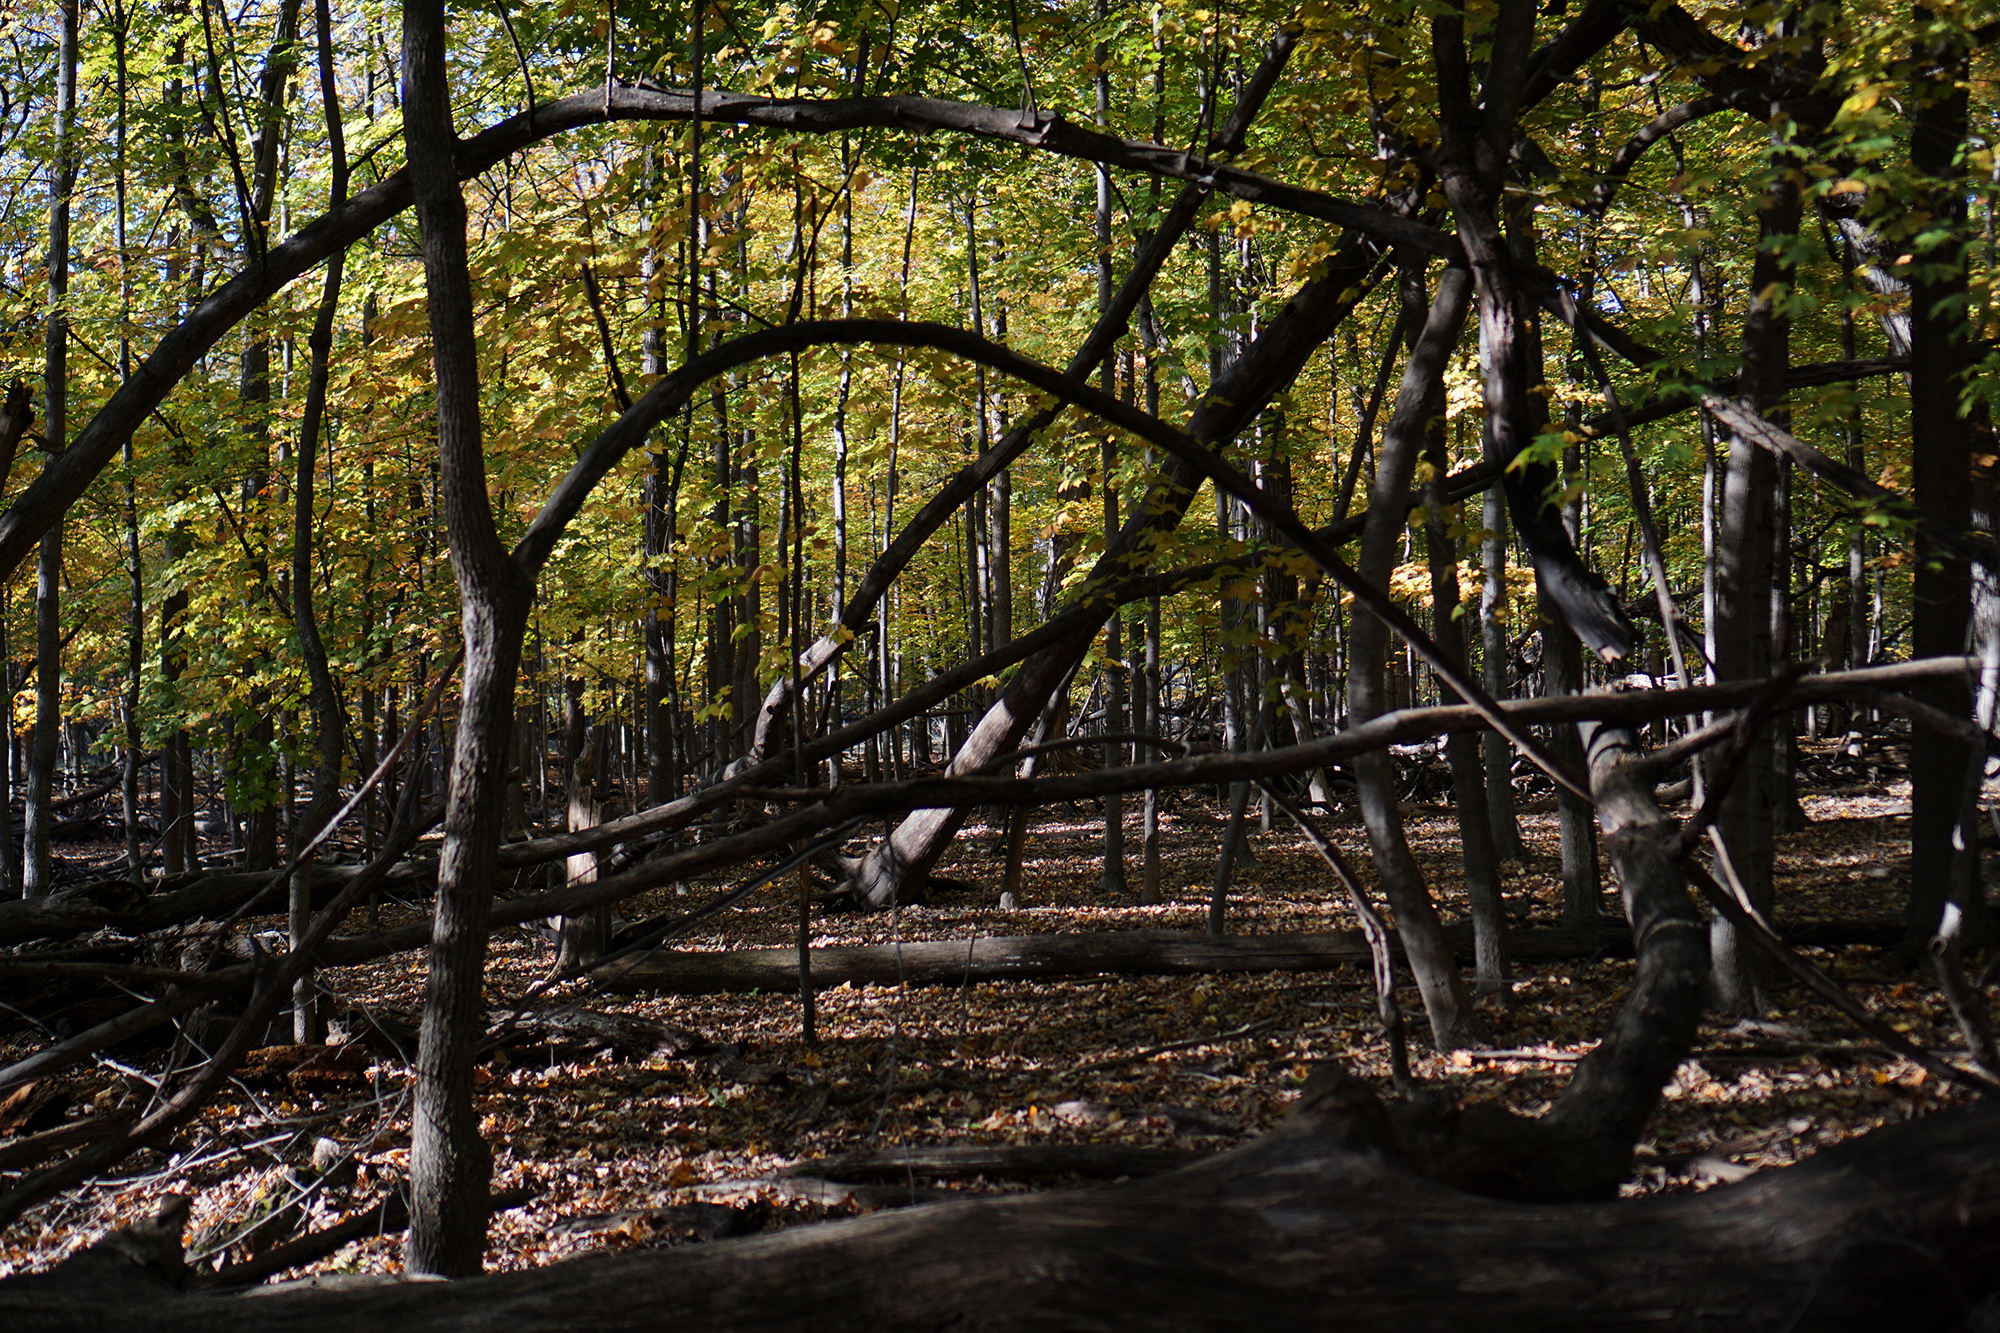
{"points": [[1366, 170]]}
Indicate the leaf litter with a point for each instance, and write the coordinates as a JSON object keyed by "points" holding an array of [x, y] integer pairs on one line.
{"points": [[620, 1153]]}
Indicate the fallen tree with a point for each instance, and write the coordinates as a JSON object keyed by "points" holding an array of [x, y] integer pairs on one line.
{"points": [[1110, 953], [118, 904], [1317, 1222]]}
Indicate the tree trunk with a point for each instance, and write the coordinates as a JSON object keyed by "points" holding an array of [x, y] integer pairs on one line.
{"points": [[1743, 550], [35, 869], [1576, 821], [449, 1164], [1468, 777], [1263, 370], [1940, 476], [999, 958], [1504, 822], [583, 938], [1419, 400]]}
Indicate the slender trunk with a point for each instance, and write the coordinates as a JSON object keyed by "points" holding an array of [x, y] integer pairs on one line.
{"points": [[135, 622], [582, 939], [1112, 881], [1494, 656], [449, 1163], [329, 718], [662, 779], [258, 754], [1419, 400], [1743, 575], [1940, 476], [35, 868], [1468, 776]]}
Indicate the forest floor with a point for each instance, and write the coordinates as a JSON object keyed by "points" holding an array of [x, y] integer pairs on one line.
{"points": [[640, 1154]]}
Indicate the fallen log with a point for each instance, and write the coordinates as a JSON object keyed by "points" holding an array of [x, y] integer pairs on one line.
{"points": [[1112, 953], [1898, 1229], [1000, 1161], [117, 904], [557, 1032]]}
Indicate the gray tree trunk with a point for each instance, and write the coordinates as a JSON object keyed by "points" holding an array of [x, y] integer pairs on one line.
{"points": [[1743, 574], [1504, 821], [1419, 399]]}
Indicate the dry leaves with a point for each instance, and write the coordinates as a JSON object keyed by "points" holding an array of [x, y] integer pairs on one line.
{"points": [[683, 1148]]}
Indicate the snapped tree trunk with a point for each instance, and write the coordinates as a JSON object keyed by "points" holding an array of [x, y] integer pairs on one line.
{"points": [[1264, 370]]}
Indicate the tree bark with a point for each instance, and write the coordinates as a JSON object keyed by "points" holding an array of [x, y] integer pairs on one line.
{"points": [[1494, 657], [1468, 772], [449, 1163], [1941, 360]]}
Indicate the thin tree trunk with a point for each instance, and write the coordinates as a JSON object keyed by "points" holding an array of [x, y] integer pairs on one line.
{"points": [[135, 622], [1468, 776], [329, 718], [1744, 537], [1494, 656], [449, 1164], [582, 939], [35, 868], [1940, 476], [1419, 399], [1112, 881]]}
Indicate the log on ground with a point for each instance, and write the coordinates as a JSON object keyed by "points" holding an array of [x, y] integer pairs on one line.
{"points": [[1115, 953], [1898, 1229], [119, 905]]}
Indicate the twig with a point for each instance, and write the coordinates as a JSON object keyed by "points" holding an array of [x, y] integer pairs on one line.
{"points": [[1828, 989], [391, 1215], [1377, 931], [1742, 735], [1113, 1061]]}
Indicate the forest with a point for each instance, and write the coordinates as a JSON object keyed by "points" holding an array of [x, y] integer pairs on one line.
{"points": [[1066, 664]]}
